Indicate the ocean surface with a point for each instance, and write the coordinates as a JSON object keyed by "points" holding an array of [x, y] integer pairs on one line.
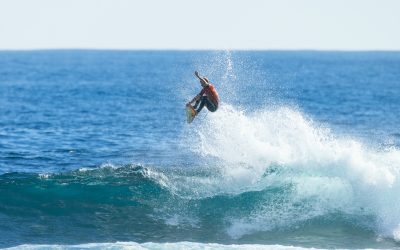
{"points": [[303, 152]]}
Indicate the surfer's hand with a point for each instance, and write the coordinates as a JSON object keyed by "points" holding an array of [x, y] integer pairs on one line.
{"points": [[196, 73]]}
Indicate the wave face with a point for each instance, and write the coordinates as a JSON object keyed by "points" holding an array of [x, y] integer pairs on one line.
{"points": [[266, 177]]}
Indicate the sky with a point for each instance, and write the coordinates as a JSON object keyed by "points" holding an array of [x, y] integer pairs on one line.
{"points": [[200, 24]]}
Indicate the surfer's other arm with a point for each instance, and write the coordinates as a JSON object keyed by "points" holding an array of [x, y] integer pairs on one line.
{"points": [[195, 99]]}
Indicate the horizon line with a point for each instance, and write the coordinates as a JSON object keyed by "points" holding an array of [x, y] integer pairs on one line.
{"points": [[199, 49]]}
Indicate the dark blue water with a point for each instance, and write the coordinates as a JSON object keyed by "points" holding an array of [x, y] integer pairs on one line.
{"points": [[94, 147]]}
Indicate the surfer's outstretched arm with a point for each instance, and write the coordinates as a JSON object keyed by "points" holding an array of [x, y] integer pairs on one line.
{"points": [[198, 75], [197, 97]]}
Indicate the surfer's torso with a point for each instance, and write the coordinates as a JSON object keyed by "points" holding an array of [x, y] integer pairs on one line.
{"points": [[211, 93]]}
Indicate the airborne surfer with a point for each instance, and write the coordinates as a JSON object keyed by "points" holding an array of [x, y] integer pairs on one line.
{"points": [[208, 96]]}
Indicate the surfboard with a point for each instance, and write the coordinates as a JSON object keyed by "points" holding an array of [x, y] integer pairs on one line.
{"points": [[190, 113]]}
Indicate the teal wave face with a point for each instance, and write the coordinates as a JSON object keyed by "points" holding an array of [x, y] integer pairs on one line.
{"points": [[145, 204]]}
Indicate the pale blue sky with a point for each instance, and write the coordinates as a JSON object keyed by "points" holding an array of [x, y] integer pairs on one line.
{"points": [[200, 24]]}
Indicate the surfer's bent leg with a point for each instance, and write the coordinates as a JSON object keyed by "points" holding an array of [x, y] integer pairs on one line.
{"points": [[202, 101], [196, 103], [205, 101], [211, 106]]}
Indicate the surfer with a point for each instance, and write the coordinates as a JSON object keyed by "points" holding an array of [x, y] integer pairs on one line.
{"points": [[208, 96]]}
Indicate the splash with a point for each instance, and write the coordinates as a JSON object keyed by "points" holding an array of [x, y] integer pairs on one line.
{"points": [[327, 173]]}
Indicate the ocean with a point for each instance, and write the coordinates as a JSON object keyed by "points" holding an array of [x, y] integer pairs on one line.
{"points": [[303, 152]]}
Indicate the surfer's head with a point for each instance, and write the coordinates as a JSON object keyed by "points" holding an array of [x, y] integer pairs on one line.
{"points": [[204, 81]]}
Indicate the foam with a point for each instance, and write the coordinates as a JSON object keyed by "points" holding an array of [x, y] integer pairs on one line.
{"points": [[160, 246]]}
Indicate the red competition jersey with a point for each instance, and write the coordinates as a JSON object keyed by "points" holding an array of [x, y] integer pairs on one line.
{"points": [[211, 93]]}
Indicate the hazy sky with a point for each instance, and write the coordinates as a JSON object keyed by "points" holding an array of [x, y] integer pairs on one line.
{"points": [[200, 24]]}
